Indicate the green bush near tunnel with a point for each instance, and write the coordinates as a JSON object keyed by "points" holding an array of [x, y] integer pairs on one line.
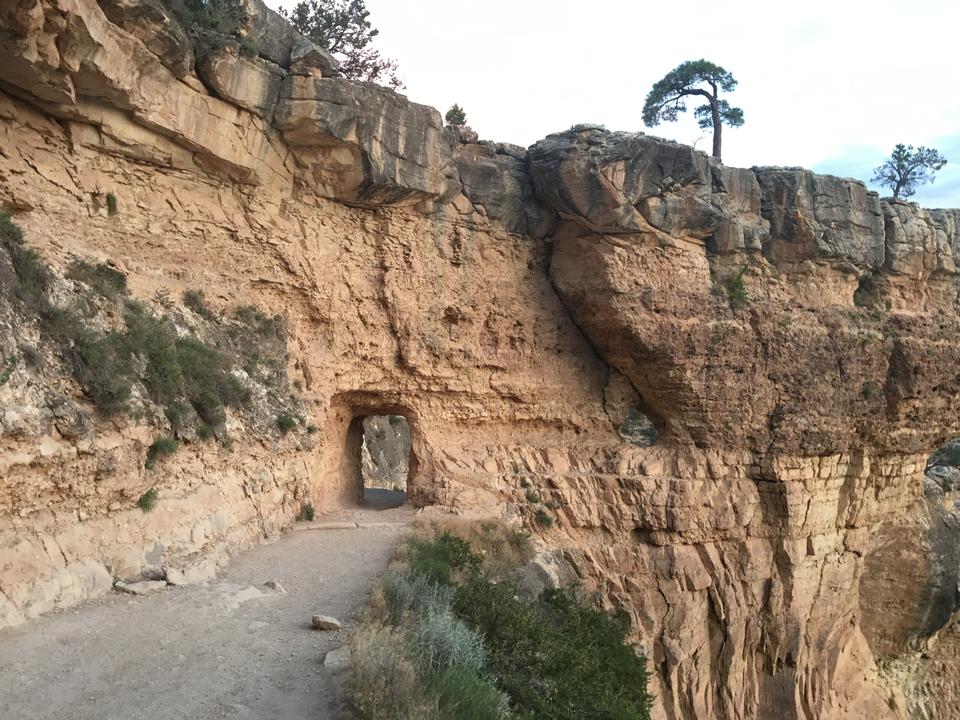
{"points": [[447, 639]]}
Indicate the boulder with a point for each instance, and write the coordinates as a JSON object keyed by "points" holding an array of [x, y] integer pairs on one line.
{"points": [[325, 622], [548, 570], [266, 30], [464, 134], [251, 83], [364, 144], [337, 660], [151, 22], [307, 57]]}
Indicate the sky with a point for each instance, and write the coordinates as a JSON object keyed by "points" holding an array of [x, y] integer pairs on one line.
{"points": [[830, 85]]}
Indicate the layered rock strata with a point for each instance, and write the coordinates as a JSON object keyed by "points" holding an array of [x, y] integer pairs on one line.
{"points": [[792, 337]]}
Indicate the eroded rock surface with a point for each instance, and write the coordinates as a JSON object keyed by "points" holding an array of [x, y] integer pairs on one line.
{"points": [[792, 337]]}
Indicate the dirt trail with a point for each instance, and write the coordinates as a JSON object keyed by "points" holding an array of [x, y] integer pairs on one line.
{"points": [[230, 648]]}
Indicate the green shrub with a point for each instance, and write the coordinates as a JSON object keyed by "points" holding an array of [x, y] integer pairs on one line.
{"points": [[161, 447], [532, 496], [477, 649], [155, 339], [868, 293], [217, 16], [10, 232], [247, 48], [264, 325], [543, 518], [148, 500], [440, 640], [556, 658], [286, 422], [33, 276], [502, 547], [207, 380], [31, 356], [466, 694], [111, 204], [148, 349], [177, 414], [946, 454], [195, 300], [307, 513], [446, 659], [637, 429], [408, 592], [103, 367], [204, 431], [737, 290], [105, 280], [443, 558], [8, 366], [870, 390]]}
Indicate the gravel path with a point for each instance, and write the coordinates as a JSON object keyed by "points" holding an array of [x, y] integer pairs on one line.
{"points": [[231, 648]]}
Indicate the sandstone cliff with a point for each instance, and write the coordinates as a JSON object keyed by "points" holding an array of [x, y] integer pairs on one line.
{"points": [[792, 337]]}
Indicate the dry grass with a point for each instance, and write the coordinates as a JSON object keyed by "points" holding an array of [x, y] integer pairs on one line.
{"points": [[386, 684], [504, 548]]}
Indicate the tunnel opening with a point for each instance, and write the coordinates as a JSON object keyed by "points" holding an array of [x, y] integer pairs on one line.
{"points": [[378, 457], [385, 459], [638, 429]]}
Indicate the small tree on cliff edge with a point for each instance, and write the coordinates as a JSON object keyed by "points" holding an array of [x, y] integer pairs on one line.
{"points": [[456, 116], [700, 78], [341, 27], [908, 168]]}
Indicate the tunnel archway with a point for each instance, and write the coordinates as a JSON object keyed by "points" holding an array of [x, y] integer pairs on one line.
{"points": [[385, 456], [357, 415]]}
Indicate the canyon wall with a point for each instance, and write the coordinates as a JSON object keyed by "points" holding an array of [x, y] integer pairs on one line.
{"points": [[792, 337]]}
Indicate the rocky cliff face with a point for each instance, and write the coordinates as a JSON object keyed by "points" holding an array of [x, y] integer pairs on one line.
{"points": [[792, 337]]}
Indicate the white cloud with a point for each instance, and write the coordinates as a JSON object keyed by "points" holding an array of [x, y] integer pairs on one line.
{"points": [[816, 78]]}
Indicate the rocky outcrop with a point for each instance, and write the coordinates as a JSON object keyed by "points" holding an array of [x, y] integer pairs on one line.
{"points": [[496, 180], [272, 36], [657, 296], [612, 183], [152, 23], [819, 216], [363, 144], [251, 83], [792, 337]]}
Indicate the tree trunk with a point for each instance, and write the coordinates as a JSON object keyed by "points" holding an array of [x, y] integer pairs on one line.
{"points": [[715, 112]]}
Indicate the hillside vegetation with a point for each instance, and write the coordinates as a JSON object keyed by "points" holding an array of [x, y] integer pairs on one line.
{"points": [[450, 636]]}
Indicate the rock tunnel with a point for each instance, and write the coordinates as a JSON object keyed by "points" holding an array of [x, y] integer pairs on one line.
{"points": [[344, 478]]}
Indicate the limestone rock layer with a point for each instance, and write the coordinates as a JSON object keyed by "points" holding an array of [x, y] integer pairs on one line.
{"points": [[792, 337]]}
